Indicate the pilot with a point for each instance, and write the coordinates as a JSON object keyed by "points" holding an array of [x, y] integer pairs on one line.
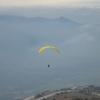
{"points": [[48, 65]]}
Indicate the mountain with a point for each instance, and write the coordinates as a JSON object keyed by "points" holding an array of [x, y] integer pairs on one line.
{"points": [[39, 21]]}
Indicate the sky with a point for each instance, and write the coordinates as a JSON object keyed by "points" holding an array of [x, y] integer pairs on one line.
{"points": [[51, 3]]}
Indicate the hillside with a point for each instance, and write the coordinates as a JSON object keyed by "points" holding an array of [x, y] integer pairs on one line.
{"points": [[79, 93]]}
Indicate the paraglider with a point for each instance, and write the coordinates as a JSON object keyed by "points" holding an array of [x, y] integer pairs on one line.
{"points": [[48, 47]]}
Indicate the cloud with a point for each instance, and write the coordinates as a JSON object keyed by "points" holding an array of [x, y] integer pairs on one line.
{"points": [[86, 26], [53, 3], [85, 37]]}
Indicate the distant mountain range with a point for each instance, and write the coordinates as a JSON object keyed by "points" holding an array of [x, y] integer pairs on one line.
{"points": [[39, 20]]}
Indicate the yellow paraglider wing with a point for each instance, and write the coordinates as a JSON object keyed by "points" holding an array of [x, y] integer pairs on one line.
{"points": [[46, 47]]}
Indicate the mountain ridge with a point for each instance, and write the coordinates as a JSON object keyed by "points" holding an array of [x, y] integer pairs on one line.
{"points": [[61, 18], [39, 21]]}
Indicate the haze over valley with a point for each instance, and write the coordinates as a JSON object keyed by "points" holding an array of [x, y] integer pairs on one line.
{"points": [[24, 72]]}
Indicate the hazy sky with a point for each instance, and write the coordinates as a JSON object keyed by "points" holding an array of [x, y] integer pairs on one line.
{"points": [[52, 3]]}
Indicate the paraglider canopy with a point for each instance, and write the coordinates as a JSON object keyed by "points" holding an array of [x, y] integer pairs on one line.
{"points": [[46, 47]]}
